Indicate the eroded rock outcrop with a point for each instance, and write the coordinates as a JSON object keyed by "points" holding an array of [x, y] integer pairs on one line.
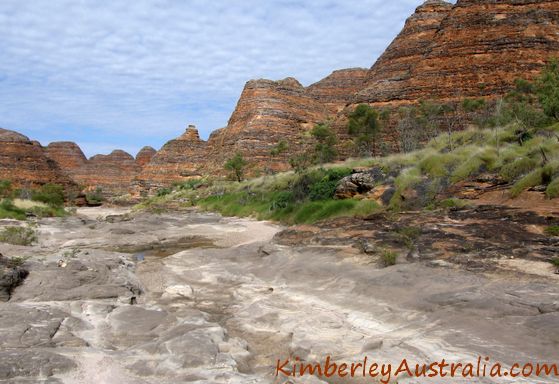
{"points": [[266, 113], [25, 163], [337, 89], [113, 173], [178, 160], [474, 48], [67, 155], [144, 155], [395, 68]]}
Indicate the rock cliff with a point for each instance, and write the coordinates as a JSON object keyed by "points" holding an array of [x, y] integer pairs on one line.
{"points": [[266, 113], [24, 162], [337, 89], [472, 49]]}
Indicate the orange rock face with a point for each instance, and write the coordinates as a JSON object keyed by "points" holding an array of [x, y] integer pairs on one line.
{"points": [[267, 112], [25, 163], [67, 155], [337, 89], [394, 69], [144, 155], [472, 49], [112, 173], [177, 161]]}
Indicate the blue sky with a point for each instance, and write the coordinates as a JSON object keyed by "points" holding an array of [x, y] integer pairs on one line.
{"points": [[124, 74]]}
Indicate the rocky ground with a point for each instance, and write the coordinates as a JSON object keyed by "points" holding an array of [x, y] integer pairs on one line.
{"points": [[114, 297]]}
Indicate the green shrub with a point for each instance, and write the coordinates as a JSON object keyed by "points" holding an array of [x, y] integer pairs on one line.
{"points": [[332, 208], [190, 184], [552, 230], [281, 200], [452, 203], [555, 261], [18, 235], [9, 211], [547, 88], [532, 179], [472, 105], [163, 192], [51, 194], [48, 211], [364, 126], [388, 257], [95, 197], [236, 165], [365, 208], [325, 147], [409, 235]]}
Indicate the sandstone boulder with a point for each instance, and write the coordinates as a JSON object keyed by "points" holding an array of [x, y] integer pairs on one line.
{"points": [[360, 182]]}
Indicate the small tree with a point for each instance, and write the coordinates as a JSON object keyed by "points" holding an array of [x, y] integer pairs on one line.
{"points": [[364, 126], [547, 88], [409, 129], [523, 107], [237, 165], [324, 149]]}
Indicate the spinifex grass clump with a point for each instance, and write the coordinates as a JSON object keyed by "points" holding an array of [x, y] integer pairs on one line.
{"points": [[9, 211], [552, 230], [18, 235]]}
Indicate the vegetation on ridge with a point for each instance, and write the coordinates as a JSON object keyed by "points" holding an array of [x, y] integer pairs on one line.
{"points": [[514, 144]]}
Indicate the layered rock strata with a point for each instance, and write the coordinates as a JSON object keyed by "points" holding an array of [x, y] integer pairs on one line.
{"points": [[112, 173], [145, 155], [177, 161], [25, 164], [67, 155], [474, 48]]}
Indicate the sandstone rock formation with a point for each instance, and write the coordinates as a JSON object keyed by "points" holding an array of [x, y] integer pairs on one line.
{"points": [[445, 52], [337, 89], [67, 155], [144, 155], [266, 113], [474, 48], [178, 160], [395, 67], [113, 173], [25, 163]]}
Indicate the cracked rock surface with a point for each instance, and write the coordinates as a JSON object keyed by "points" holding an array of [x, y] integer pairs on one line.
{"points": [[190, 297]]}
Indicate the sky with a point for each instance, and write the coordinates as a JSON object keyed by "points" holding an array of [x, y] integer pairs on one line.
{"points": [[124, 74]]}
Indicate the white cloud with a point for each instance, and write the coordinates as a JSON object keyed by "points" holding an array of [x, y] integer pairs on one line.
{"points": [[133, 73]]}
